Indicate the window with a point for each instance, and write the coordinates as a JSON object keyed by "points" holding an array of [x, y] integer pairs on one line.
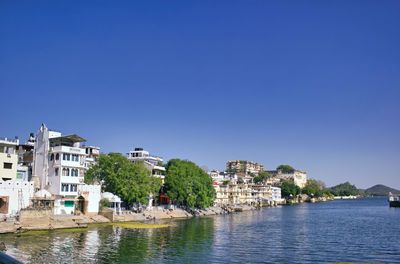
{"points": [[64, 156], [69, 203], [57, 156], [74, 188], [76, 173], [56, 171], [7, 165], [64, 187], [52, 157], [68, 156], [77, 157]]}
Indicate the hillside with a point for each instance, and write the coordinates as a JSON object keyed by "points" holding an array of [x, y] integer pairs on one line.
{"points": [[382, 190], [344, 189]]}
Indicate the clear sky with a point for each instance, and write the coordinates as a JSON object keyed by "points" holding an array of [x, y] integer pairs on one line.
{"points": [[313, 84]]}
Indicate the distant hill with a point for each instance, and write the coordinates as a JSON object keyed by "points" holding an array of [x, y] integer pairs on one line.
{"points": [[344, 189], [381, 190]]}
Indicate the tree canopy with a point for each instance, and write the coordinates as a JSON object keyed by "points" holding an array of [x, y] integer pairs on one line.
{"points": [[261, 177], [118, 175], [285, 168], [314, 188], [289, 188], [188, 184]]}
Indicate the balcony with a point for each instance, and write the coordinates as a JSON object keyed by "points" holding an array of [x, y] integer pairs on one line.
{"points": [[66, 149]]}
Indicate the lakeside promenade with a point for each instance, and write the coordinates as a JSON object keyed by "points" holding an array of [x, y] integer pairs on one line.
{"points": [[31, 221]]}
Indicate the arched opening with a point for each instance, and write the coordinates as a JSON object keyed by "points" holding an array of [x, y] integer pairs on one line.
{"points": [[81, 205], [4, 205]]}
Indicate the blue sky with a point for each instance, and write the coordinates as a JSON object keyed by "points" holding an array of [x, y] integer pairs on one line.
{"points": [[313, 84]]}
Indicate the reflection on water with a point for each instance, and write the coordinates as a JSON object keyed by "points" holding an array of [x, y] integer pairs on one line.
{"points": [[356, 230]]}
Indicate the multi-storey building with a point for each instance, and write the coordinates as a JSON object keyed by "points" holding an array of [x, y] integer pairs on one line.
{"points": [[59, 167], [8, 159], [244, 167], [151, 162], [25, 159], [92, 153], [236, 194]]}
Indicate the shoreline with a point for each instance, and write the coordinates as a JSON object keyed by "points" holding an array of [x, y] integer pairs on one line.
{"points": [[60, 222]]}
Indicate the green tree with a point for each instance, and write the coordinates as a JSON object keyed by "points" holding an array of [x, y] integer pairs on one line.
{"points": [[286, 168], [312, 188], [130, 181], [261, 177], [188, 184], [104, 203], [289, 188]]}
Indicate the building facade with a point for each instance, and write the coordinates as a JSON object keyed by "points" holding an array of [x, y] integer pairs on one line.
{"points": [[250, 194], [14, 196], [298, 177], [59, 167], [244, 167], [8, 159]]}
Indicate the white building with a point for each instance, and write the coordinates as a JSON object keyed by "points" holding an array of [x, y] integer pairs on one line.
{"points": [[92, 153], [89, 198], [299, 177], [250, 194], [14, 196], [8, 159], [276, 194], [59, 167], [220, 177], [115, 201], [150, 162]]}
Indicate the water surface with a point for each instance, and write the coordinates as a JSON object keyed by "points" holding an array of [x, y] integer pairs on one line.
{"points": [[363, 230]]}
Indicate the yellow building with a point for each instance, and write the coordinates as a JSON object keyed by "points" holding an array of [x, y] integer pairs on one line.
{"points": [[8, 159]]}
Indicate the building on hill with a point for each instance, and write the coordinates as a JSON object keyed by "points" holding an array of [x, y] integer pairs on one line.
{"points": [[298, 177], [244, 167]]}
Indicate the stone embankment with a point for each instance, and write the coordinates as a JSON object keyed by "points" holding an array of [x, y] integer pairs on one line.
{"points": [[43, 219], [303, 198]]}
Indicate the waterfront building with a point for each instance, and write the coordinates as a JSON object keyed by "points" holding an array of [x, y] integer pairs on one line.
{"points": [[244, 167], [14, 196], [153, 163], [249, 194], [115, 201], [59, 167], [8, 159], [276, 194]]}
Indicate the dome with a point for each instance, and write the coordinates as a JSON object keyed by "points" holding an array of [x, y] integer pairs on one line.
{"points": [[111, 197]]}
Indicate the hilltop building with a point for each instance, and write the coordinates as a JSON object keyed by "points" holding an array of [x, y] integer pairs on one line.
{"points": [[244, 167], [298, 177]]}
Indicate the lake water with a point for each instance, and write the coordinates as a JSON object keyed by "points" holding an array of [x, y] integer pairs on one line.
{"points": [[363, 230]]}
